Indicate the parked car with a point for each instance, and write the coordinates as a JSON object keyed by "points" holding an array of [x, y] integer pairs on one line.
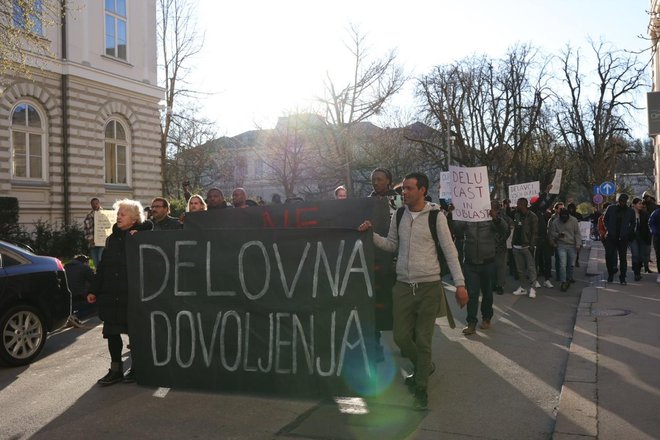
{"points": [[34, 300]]}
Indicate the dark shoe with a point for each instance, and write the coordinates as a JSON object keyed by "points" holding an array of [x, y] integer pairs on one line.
{"points": [[485, 324], [638, 277], [129, 377], [113, 377], [470, 329], [610, 278], [564, 286], [499, 290], [421, 400], [623, 282], [410, 379], [647, 269]]}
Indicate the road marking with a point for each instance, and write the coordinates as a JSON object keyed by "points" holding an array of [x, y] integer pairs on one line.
{"points": [[161, 392]]}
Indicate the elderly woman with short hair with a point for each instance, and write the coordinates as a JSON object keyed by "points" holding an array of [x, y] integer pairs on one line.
{"points": [[111, 286]]}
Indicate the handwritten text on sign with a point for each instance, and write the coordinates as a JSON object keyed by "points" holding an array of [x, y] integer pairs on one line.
{"points": [[470, 193], [285, 311], [523, 190]]}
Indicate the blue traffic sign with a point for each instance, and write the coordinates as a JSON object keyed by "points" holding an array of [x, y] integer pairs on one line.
{"points": [[607, 188], [596, 189]]}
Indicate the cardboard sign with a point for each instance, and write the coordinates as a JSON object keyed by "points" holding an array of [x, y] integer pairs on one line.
{"points": [[526, 190], [556, 182], [285, 311], [470, 193], [103, 221], [445, 185]]}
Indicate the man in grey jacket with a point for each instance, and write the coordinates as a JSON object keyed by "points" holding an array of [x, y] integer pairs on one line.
{"points": [[565, 233], [478, 242], [418, 290]]}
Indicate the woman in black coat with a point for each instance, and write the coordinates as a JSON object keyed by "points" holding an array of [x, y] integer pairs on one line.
{"points": [[111, 286]]}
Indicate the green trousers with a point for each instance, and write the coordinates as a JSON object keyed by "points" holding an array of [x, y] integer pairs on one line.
{"points": [[415, 307]]}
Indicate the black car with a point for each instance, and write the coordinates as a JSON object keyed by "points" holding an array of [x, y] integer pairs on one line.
{"points": [[34, 300]]}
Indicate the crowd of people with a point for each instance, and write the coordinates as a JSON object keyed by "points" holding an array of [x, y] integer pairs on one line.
{"points": [[423, 243]]}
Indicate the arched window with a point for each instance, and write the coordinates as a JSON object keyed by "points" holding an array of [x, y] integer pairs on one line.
{"points": [[116, 153], [28, 142]]}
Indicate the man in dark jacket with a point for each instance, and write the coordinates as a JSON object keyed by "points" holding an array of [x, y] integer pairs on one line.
{"points": [[619, 221], [525, 231], [160, 215], [79, 277], [478, 240]]}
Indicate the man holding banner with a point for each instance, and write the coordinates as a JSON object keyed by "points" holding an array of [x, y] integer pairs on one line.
{"points": [[418, 294]]}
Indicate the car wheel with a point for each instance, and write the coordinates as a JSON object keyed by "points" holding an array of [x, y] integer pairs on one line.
{"points": [[23, 335]]}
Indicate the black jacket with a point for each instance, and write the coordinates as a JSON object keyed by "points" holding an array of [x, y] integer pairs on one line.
{"points": [[168, 223], [111, 282]]}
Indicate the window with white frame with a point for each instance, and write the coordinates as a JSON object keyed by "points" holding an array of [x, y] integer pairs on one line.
{"points": [[116, 153], [27, 16], [115, 28], [28, 142]]}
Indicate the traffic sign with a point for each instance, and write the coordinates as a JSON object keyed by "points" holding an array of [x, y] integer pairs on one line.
{"points": [[596, 189], [607, 188], [598, 199]]}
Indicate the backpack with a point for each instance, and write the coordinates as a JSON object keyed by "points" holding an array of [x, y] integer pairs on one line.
{"points": [[433, 218]]}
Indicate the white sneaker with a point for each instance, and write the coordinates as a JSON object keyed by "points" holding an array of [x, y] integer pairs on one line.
{"points": [[537, 284], [520, 291], [532, 293], [657, 280], [548, 284]]}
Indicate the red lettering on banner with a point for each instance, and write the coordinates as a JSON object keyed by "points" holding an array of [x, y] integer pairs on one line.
{"points": [[268, 221]]}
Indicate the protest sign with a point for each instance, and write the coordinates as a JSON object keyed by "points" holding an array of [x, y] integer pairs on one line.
{"points": [[556, 182], [470, 194], [445, 185], [347, 213], [286, 311], [103, 221], [526, 190]]}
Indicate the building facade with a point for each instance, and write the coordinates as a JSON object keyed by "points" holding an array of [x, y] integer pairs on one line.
{"points": [[654, 34], [86, 122]]}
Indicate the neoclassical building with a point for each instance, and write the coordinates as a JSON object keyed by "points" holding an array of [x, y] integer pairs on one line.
{"points": [[86, 122]]}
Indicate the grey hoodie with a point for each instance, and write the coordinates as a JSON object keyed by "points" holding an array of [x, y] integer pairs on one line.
{"points": [[417, 260]]}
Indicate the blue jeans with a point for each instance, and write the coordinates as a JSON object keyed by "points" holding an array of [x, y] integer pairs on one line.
{"points": [[567, 253], [479, 279], [96, 253]]}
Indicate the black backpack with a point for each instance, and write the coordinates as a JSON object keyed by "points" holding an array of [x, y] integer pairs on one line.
{"points": [[433, 218]]}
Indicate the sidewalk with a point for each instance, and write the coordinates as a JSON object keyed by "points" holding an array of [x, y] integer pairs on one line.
{"points": [[612, 384]]}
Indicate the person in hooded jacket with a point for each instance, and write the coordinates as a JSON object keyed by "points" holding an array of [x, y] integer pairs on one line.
{"points": [[111, 286]]}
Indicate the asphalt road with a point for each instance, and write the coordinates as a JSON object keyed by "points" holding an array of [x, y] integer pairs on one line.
{"points": [[503, 383]]}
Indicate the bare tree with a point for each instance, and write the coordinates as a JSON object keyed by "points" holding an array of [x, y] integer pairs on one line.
{"points": [[179, 41], [23, 25], [372, 85], [192, 156], [488, 111], [592, 112], [287, 152]]}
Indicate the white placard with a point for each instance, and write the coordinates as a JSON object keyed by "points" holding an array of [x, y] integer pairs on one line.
{"points": [[526, 190], [445, 185], [103, 221], [585, 230], [470, 193], [556, 183]]}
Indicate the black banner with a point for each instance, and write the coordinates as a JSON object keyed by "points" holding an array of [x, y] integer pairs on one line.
{"points": [[288, 311], [347, 213]]}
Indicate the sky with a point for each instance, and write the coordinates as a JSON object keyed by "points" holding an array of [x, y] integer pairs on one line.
{"points": [[263, 59]]}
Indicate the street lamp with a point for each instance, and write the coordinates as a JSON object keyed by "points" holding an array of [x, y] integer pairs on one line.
{"points": [[450, 143]]}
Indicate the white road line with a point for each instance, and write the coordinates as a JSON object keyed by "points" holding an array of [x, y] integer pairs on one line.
{"points": [[161, 392]]}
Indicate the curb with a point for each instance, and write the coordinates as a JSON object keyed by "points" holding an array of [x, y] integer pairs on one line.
{"points": [[577, 412]]}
